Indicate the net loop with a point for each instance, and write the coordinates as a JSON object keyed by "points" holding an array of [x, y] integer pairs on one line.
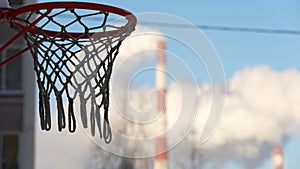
{"points": [[60, 112], [71, 115], [44, 109], [73, 68]]}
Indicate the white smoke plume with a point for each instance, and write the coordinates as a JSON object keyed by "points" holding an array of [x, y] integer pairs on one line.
{"points": [[261, 111], [140, 46]]}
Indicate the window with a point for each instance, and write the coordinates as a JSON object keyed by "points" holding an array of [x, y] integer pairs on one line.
{"points": [[9, 151], [10, 74]]}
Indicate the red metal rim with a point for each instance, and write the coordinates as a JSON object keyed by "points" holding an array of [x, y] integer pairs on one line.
{"points": [[132, 20], [3, 13]]}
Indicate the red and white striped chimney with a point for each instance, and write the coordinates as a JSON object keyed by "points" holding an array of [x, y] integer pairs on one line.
{"points": [[161, 158], [278, 157]]}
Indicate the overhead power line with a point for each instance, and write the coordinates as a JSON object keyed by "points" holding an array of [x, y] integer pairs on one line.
{"points": [[216, 27], [224, 28]]}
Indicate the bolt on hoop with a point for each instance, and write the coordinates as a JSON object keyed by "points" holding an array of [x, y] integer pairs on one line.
{"points": [[73, 45]]}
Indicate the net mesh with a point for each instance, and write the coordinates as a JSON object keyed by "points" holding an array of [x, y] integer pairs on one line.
{"points": [[73, 69]]}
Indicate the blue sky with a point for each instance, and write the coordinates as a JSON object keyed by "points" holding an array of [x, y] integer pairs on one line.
{"points": [[237, 50]]}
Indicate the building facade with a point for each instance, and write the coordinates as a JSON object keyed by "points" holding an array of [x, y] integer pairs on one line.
{"points": [[17, 102]]}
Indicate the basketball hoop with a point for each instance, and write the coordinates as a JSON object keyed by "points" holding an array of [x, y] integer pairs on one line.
{"points": [[74, 45]]}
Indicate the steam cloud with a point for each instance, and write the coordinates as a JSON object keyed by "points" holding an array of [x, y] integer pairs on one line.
{"points": [[261, 111]]}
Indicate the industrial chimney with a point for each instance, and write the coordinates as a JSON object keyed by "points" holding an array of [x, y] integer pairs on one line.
{"points": [[161, 157], [278, 157]]}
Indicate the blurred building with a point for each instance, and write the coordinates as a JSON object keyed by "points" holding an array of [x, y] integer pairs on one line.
{"points": [[17, 95]]}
